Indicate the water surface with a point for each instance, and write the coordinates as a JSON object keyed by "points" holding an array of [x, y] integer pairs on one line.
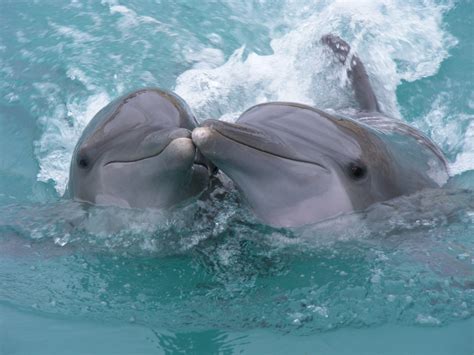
{"points": [[207, 277]]}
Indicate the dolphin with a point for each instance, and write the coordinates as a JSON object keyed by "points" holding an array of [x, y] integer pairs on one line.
{"points": [[296, 165], [137, 152]]}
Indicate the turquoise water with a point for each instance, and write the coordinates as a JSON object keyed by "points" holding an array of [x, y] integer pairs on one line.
{"points": [[207, 278]]}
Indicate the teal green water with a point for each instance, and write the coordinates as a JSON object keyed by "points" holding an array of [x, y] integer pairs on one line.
{"points": [[207, 278]]}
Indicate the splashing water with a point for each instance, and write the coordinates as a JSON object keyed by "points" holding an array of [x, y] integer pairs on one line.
{"points": [[395, 42]]}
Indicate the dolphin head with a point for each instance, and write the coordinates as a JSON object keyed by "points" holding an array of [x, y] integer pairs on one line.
{"points": [[138, 152], [297, 165]]}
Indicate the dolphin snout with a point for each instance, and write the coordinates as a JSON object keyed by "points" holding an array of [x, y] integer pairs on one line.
{"points": [[201, 135], [180, 133], [182, 149]]}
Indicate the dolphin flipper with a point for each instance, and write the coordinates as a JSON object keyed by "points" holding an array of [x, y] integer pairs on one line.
{"points": [[360, 80]]}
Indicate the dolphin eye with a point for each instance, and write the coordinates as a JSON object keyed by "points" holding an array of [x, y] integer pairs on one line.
{"points": [[83, 162], [357, 171]]}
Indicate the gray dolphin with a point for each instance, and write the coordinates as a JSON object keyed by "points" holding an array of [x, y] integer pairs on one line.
{"points": [[137, 152], [295, 164]]}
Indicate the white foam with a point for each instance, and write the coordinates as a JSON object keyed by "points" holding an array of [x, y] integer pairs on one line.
{"points": [[398, 40], [130, 18], [60, 134], [452, 131], [205, 58], [465, 159], [427, 320], [73, 33]]}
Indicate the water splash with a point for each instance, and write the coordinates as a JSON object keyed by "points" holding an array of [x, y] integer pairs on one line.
{"points": [[210, 263], [397, 40]]}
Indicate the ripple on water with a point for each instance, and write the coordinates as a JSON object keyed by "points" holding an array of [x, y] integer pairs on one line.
{"points": [[166, 270]]}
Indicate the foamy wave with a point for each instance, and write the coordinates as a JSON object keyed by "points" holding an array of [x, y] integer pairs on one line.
{"points": [[129, 18], [396, 39], [465, 160], [54, 148], [73, 33], [453, 131], [205, 58]]}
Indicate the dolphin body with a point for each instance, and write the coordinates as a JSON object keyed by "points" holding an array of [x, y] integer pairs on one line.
{"points": [[296, 165], [137, 152]]}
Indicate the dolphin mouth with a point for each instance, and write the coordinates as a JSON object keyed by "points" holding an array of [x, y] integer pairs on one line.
{"points": [[200, 164], [251, 138], [139, 159], [199, 159], [161, 142]]}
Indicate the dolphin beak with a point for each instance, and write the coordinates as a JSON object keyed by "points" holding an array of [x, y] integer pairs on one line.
{"points": [[243, 134], [205, 137], [201, 135], [155, 144], [208, 137]]}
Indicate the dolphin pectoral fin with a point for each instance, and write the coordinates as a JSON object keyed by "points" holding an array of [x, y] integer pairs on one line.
{"points": [[363, 91]]}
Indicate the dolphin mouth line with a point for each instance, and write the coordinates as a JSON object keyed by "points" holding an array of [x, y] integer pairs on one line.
{"points": [[131, 161], [270, 153], [200, 164], [139, 159], [150, 156]]}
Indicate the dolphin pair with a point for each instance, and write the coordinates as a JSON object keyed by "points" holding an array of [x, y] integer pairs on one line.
{"points": [[294, 164]]}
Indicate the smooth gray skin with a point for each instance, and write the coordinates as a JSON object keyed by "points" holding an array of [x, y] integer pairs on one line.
{"points": [[137, 152], [297, 165]]}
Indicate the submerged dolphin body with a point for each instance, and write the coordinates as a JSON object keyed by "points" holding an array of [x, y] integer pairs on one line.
{"points": [[137, 152], [296, 165]]}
